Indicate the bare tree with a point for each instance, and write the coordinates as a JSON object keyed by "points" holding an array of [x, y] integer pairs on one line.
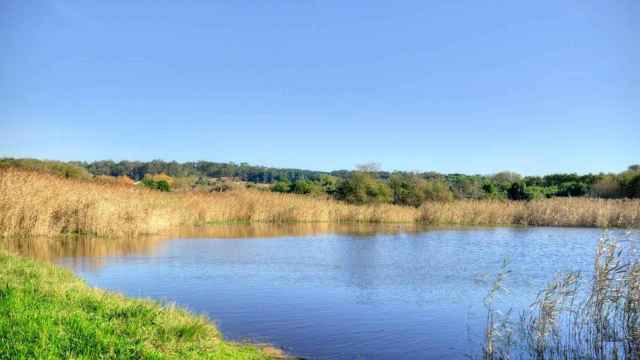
{"points": [[369, 167]]}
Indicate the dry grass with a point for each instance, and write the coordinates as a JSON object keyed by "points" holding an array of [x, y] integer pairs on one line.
{"points": [[33, 203], [572, 319], [580, 212]]}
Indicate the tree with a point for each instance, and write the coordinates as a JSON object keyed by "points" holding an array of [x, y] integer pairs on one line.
{"points": [[437, 190], [371, 167], [161, 177], [306, 187], [282, 186], [507, 177], [160, 182], [362, 188], [632, 187], [407, 189], [329, 184], [572, 189], [607, 187], [517, 191], [468, 187], [495, 191], [163, 185], [535, 192]]}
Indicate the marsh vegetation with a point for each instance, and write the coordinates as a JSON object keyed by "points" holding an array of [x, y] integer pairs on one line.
{"points": [[574, 316], [41, 200], [36, 203], [344, 292], [366, 184]]}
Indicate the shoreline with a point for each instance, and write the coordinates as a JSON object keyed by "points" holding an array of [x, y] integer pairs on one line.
{"points": [[48, 312]]}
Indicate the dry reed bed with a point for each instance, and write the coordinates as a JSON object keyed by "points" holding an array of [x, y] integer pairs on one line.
{"points": [[580, 212], [34, 203]]}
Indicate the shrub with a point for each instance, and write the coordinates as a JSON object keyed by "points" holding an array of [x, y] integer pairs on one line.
{"points": [[607, 187], [163, 177], [507, 177], [407, 189], [53, 167], [632, 187], [161, 185], [572, 189], [362, 188], [437, 190], [306, 187], [493, 191], [517, 191], [282, 186], [535, 192], [329, 184]]}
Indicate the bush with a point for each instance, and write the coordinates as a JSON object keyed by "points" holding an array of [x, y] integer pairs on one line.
{"points": [[632, 187], [493, 191], [161, 185], [572, 189], [53, 167], [535, 192], [407, 189], [517, 191], [306, 187], [437, 190], [607, 187], [329, 184], [362, 188], [163, 177], [507, 177], [282, 186]]}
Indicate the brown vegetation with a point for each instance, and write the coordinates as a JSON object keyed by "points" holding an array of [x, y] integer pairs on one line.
{"points": [[580, 212], [34, 203]]}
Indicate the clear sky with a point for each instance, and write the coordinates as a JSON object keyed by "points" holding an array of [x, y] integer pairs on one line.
{"points": [[452, 86]]}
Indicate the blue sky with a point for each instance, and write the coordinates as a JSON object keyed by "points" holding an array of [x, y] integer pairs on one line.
{"points": [[451, 86]]}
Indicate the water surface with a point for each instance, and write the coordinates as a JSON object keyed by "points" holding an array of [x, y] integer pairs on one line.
{"points": [[339, 292]]}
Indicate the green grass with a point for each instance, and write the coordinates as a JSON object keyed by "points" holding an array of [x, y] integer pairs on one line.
{"points": [[48, 313]]}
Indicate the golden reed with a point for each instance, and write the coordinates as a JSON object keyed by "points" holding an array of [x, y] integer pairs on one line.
{"points": [[33, 203]]}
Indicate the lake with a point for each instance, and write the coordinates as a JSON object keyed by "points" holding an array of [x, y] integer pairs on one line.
{"points": [[334, 292]]}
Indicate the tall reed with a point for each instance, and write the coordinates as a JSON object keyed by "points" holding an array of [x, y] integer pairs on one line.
{"points": [[570, 320], [580, 212], [33, 203]]}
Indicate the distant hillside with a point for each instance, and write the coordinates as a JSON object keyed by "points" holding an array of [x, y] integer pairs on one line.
{"points": [[397, 187]]}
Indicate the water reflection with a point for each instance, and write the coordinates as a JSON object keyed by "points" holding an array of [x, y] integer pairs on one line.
{"points": [[327, 291], [95, 249]]}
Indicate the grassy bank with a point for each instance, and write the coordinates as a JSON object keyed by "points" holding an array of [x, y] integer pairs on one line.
{"points": [[33, 203], [48, 313]]}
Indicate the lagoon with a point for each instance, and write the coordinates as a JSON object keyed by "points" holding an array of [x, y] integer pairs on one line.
{"points": [[334, 292]]}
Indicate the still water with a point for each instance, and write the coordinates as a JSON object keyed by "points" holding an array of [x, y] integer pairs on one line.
{"points": [[339, 292]]}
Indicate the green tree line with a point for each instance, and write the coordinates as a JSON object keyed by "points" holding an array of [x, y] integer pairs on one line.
{"points": [[366, 184]]}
